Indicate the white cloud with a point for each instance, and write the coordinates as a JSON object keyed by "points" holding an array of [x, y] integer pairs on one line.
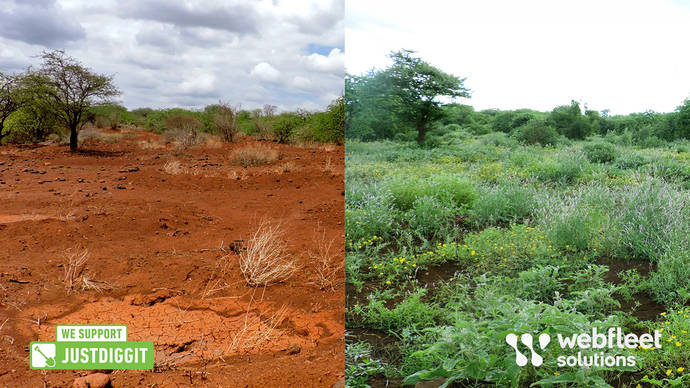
{"points": [[334, 61], [265, 72], [196, 52], [627, 56]]}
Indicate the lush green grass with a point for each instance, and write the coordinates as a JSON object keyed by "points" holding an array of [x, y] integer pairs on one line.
{"points": [[515, 236]]}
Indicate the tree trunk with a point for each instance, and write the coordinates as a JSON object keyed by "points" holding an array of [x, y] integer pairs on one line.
{"points": [[421, 131], [73, 138]]}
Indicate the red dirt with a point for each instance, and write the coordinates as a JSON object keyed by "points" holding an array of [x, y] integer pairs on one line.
{"points": [[153, 241]]}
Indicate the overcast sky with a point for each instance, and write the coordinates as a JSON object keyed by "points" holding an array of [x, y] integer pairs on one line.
{"points": [[622, 55], [189, 53]]}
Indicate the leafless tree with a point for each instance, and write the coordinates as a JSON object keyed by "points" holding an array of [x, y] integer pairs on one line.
{"points": [[269, 110], [225, 120]]}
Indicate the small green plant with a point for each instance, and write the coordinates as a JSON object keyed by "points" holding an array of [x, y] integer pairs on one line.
{"points": [[601, 152]]}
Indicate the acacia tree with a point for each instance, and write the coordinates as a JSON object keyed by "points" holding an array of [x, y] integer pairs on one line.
{"points": [[71, 89], [418, 87], [12, 97]]}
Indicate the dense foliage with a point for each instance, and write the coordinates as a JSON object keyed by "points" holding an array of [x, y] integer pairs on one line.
{"points": [[450, 248]]}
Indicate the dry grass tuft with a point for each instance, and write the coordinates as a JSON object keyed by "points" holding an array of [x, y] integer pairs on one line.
{"points": [[253, 155], [173, 167], [327, 266], [150, 145], [265, 261], [285, 167], [74, 268]]}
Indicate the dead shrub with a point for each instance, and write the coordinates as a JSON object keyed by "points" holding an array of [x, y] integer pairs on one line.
{"points": [[182, 130], [265, 261], [263, 129], [326, 264], [225, 121], [253, 155], [74, 268], [180, 138]]}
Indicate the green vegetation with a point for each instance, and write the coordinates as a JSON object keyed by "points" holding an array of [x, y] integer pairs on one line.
{"points": [[514, 222], [38, 104]]}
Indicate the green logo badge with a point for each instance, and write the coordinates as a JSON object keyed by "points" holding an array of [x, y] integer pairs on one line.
{"points": [[91, 347]]}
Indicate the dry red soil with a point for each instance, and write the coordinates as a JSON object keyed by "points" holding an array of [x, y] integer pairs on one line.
{"points": [[159, 225]]}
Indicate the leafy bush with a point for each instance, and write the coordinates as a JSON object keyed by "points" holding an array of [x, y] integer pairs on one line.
{"points": [[431, 218], [537, 132], [329, 126], [565, 168], [600, 152], [285, 126], [502, 204], [411, 312], [359, 365]]}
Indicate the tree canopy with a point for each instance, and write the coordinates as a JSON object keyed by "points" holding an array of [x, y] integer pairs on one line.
{"points": [[71, 89], [410, 93]]}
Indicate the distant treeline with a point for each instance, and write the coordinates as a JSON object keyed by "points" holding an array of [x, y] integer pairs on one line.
{"points": [[26, 125], [532, 127], [63, 95], [412, 100]]}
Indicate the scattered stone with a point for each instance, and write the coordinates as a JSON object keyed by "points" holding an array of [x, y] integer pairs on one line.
{"points": [[96, 380], [293, 349], [339, 384], [131, 169]]}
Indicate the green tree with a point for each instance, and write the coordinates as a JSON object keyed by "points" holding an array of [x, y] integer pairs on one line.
{"points": [[418, 86], [13, 95], [569, 121], [72, 89], [370, 109], [682, 120]]}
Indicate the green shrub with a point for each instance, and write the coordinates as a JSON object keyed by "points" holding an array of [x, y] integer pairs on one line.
{"points": [[329, 126], [502, 204], [360, 365], [454, 189], [411, 312], [285, 125], [431, 218], [565, 168], [539, 284], [537, 132], [630, 161], [600, 152]]}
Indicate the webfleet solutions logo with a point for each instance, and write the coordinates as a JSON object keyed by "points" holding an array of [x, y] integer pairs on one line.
{"points": [[613, 339]]}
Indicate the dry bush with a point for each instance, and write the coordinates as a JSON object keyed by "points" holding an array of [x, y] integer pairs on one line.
{"points": [[328, 166], [209, 141], [180, 138], [150, 145], [285, 167], [182, 130], [74, 268], [101, 121], [265, 261], [327, 265], [253, 155], [225, 120], [263, 129], [174, 167]]}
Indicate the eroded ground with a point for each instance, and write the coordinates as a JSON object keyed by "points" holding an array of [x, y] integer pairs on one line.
{"points": [[159, 225]]}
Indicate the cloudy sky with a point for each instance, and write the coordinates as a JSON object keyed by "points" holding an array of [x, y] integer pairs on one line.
{"points": [[622, 55], [189, 53]]}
